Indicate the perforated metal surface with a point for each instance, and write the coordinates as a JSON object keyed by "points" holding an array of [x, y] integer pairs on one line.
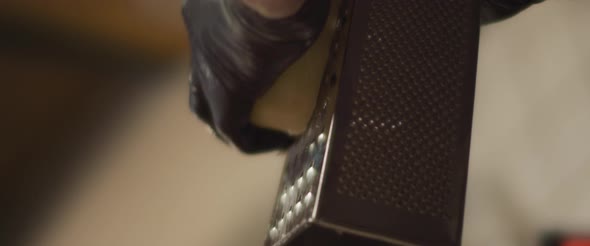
{"points": [[299, 185], [405, 107]]}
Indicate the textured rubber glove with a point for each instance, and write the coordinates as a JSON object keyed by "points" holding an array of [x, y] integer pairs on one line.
{"points": [[236, 56]]}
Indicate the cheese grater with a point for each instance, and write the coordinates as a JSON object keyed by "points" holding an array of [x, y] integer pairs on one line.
{"points": [[384, 158]]}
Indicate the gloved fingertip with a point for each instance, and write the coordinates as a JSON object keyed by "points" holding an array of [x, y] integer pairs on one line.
{"points": [[253, 140]]}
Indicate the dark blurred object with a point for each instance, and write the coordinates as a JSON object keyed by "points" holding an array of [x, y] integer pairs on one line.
{"points": [[67, 67], [145, 28], [565, 239], [497, 10]]}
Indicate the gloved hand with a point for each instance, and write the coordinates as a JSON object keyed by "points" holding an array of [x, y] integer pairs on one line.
{"points": [[240, 47]]}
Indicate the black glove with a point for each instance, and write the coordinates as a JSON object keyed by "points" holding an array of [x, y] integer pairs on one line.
{"points": [[497, 10], [237, 54]]}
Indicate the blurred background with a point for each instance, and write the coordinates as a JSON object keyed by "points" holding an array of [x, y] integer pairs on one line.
{"points": [[100, 148]]}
